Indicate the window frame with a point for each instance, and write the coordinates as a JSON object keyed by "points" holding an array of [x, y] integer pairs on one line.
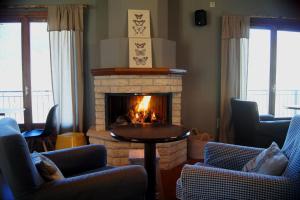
{"points": [[25, 17], [274, 25]]}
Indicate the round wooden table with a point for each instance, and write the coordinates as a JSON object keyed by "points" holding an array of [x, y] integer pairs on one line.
{"points": [[150, 135]]}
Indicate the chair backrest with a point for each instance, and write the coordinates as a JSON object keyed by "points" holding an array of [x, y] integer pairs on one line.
{"points": [[15, 160], [51, 126], [291, 148], [244, 118]]}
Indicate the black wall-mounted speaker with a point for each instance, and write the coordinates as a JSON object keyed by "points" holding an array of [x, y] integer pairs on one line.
{"points": [[200, 18]]}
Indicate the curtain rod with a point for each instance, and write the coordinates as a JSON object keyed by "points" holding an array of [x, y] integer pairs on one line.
{"points": [[34, 6]]}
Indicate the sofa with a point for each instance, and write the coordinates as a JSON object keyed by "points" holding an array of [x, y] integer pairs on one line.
{"points": [[220, 176], [86, 173]]}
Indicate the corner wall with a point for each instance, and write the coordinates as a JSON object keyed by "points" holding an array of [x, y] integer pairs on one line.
{"points": [[199, 48]]}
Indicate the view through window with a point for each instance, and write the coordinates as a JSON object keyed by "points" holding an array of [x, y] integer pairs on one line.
{"points": [[288, 72], [273, 70], [25, 78], [259, 68], [11, 86], [41, 87]]}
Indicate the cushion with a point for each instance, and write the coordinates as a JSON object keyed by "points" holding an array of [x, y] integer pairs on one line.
{"points": [[270, 161], [47, 169]]}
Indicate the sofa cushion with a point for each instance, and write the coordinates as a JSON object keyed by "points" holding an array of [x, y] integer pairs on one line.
{"points": [[270, 161], [47, 169]]}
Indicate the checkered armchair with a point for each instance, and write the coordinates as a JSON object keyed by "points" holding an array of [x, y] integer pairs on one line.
{"points": [[220, 176]]}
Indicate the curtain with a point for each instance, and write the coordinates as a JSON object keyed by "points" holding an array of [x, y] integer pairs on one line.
{"points": [[234, 69], [65, 26]]}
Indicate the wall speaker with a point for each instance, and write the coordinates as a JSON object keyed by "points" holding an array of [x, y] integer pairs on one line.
{"points": [[200, 18]]}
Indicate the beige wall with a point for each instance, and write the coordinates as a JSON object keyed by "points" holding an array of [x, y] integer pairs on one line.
{"points": [[198, 48]]}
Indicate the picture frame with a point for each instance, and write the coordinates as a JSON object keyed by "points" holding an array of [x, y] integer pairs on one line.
{"points": [[139, 23], [140, 53]]}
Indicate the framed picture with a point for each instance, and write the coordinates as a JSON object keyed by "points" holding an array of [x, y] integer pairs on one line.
{"points": [[140, 54], [139, 23]]}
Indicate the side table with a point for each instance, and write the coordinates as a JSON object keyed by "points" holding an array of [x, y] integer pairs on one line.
{"points": [[150, 135]]}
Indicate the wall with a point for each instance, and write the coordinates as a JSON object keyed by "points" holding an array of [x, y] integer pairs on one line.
{"points": [[117, 16], [198, 48]]}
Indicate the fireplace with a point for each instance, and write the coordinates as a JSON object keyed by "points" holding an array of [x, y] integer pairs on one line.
{"points": [[137, 108], [118, 91]]}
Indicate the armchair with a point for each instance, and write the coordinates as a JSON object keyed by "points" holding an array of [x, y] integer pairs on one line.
{"points": [[86, 174], [252, 129], [219, 177]]}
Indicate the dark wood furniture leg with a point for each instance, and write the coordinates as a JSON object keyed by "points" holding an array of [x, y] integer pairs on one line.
{"points": [[150, 166]]}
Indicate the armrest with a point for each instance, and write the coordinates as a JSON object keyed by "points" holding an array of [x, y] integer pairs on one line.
{"points": [[266, 117], [277, 126], [283, 118], [79, 159], [228, 156], [268, 131], [269, 117], [118, 183], [200, 182]]}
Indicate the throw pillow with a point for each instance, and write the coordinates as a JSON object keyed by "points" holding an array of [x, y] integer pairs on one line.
{"points": [[270, 161], [46, 168]]}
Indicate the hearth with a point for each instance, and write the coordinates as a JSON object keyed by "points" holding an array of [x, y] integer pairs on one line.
{"points": [[137, 108]]}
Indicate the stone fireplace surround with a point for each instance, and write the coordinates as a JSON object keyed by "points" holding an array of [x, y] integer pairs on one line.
{"points": [[130, 80]]}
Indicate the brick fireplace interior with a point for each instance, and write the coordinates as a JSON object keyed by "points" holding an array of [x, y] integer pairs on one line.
{"points": [[134, 108]]}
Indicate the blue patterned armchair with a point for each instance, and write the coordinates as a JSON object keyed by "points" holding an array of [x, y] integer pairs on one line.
{"points": [[220, 176]]}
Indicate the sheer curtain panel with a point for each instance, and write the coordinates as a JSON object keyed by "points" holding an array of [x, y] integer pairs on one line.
{"points": [[65, 26], [234, 69]]}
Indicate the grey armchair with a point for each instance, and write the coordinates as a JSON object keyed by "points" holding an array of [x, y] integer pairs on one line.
{"points": [[252, 129], [85, 169], [220, 176]]}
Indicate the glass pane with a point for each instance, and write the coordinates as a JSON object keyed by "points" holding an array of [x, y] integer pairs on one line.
{"points": [[288, 72], [259, 68], [41, 88], [11, 90]]}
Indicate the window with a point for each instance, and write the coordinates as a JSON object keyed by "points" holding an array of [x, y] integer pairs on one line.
{"points": [[25, 78], [274, 66]]}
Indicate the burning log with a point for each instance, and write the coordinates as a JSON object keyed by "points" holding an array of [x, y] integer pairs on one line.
{"points": [[139, 113]]}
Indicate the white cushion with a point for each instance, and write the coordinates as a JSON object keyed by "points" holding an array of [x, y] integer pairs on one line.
{"points": [[270, 161]]}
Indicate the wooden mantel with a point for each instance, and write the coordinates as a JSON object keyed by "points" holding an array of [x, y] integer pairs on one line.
{"points": [[137, 71]]}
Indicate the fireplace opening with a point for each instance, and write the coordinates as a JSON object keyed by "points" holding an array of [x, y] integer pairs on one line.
{"points": [[132, 108]]}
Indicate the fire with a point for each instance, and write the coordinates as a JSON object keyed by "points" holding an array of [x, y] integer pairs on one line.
{"points": [[141, 113], [153, 117], [144, 104]]}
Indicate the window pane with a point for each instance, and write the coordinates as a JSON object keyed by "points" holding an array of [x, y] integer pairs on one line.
{"points": [[288, 72], [259, 68], [11, 92], [41, 87]]}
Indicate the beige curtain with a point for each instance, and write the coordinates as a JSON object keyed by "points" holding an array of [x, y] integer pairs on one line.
{"points": [[234, 69], [65, 26]]}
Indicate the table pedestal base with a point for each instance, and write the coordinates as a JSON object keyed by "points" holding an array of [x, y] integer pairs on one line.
{"points": [[150, 166]]}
